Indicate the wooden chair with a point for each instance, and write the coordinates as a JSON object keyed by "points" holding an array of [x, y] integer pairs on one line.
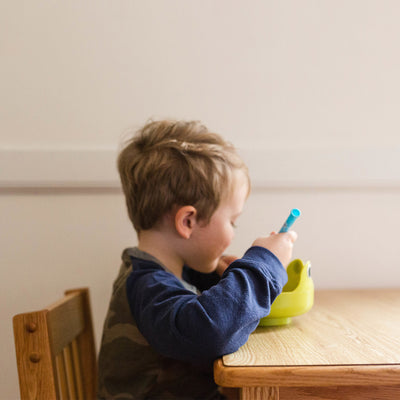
{"points": [[55, 350]]}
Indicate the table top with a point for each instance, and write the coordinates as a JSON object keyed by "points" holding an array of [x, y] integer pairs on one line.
{"points": [[346, 332]]}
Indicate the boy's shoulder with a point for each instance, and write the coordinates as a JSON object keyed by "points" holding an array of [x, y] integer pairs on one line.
{"points": [[139, 264], [135, 252]]}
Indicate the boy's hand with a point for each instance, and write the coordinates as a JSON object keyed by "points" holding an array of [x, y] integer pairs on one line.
{"points": [[223, 263], [280, 244]]}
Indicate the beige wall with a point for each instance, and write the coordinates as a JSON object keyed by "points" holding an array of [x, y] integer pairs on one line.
{"points": [[309, 92]]}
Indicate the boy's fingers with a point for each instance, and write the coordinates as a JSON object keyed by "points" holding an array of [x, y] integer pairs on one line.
{"points": [[292, 235], [228, 258]]}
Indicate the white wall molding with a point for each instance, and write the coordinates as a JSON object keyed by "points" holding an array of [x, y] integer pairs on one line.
{"points": [[276, 168], [58, 168], [324, 167]]}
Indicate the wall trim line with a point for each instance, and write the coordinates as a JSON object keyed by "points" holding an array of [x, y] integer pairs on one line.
{"points": [[269, 168]]}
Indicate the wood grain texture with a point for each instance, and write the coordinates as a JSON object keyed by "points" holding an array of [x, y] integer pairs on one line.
{"points": [[337, 375], [259, 393], [33, 356], [350, 338], [343, 328], [340, 392], [55, 350]]}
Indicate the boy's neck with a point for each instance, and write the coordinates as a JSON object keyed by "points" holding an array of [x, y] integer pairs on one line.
{"points": [[158, 244]]}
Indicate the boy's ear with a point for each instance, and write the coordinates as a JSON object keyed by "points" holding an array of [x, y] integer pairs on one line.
{"points": [[185, 220]]}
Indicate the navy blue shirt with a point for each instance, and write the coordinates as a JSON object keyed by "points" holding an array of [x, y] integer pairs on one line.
{"points": [[201, 325]]}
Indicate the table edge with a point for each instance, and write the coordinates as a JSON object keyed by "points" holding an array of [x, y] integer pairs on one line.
{"points": [[304, 375]]}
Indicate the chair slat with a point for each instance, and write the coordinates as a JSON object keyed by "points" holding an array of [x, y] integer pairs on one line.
{"points": [[69, 370], [77, 370], [61, 377]]}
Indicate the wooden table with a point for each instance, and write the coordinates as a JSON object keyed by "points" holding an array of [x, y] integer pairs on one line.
{"points": [[346, 347]]}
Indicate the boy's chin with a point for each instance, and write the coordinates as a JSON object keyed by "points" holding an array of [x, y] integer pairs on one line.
{"points": [[212, 268]]}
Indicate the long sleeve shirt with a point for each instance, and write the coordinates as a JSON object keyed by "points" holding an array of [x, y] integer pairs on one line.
{"points": [[162, 333]]}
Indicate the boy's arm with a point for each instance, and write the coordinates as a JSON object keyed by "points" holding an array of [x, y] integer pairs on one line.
{"points": [[182, 325]]}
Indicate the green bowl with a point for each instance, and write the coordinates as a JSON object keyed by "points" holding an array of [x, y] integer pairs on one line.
{"points": [[297, 295]]}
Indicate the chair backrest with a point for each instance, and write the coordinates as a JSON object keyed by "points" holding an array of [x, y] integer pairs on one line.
{"points": [[55, 349]]}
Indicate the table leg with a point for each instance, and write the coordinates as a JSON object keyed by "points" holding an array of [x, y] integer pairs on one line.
{"points": [[259, 393]]}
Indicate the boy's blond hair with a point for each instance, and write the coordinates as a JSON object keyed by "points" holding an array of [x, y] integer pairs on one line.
{"points": [[175, 163]]}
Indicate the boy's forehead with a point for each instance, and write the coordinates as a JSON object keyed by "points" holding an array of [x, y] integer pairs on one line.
{"points": [[240, 182], [238, 191]]}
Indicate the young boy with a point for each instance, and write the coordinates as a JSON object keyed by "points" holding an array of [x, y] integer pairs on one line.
{"points": [[175, 305]]}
